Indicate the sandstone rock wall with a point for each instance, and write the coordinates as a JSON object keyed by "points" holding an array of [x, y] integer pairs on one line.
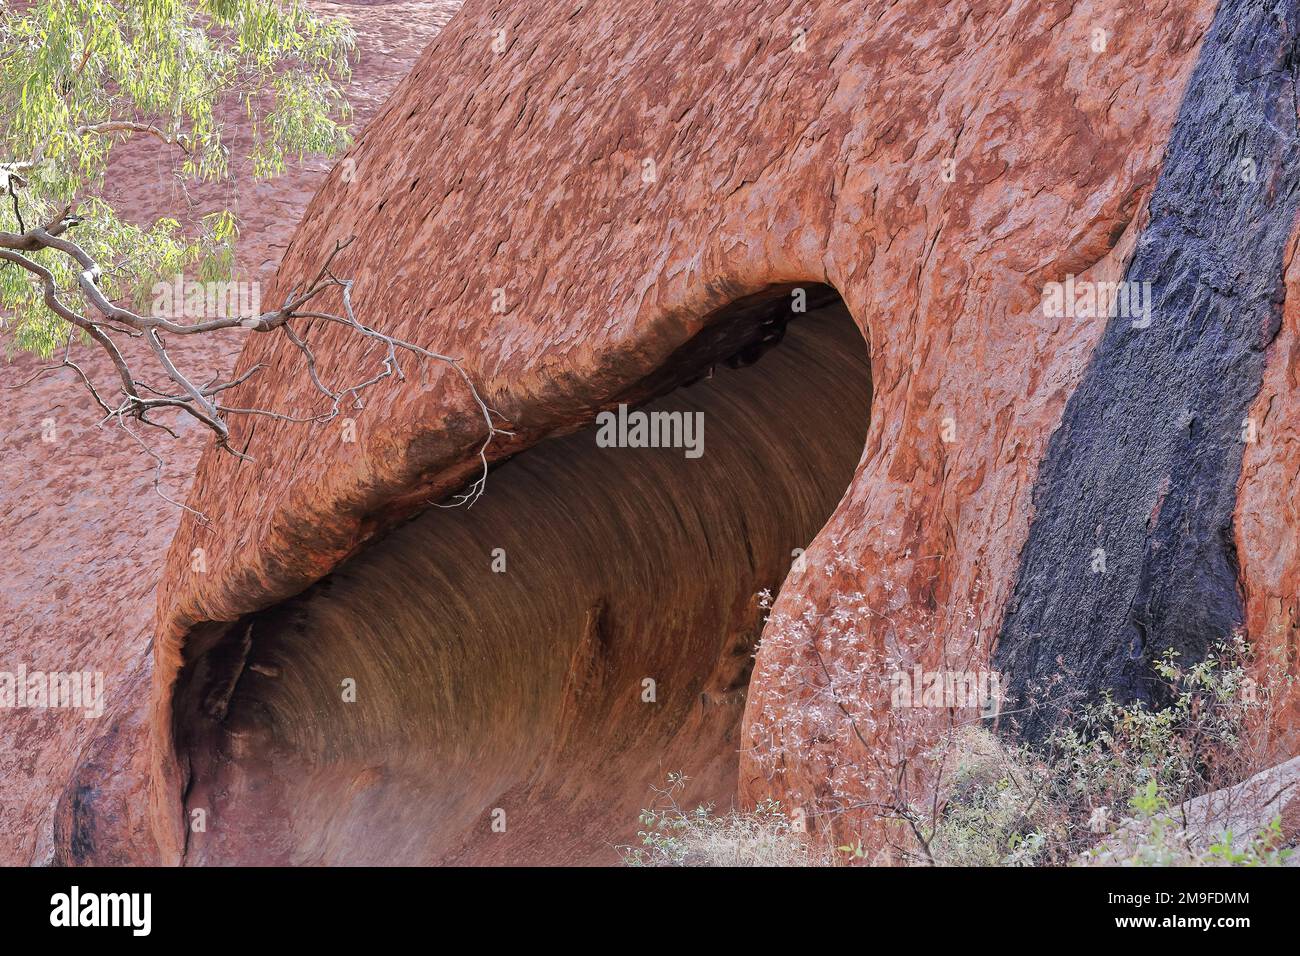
{"points": [[592, 204], [525, 671], [1133, 535], [616, 176]]}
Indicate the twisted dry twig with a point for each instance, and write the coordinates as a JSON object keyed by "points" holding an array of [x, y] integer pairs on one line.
{"points": [[204, 403]]}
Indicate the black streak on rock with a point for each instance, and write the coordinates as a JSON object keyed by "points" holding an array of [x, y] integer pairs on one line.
{"points": [[1146, 460], [78, 844]]}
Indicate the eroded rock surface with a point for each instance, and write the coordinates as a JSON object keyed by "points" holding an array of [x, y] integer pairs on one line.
{"points": [[611, 179], [545, 657], [1135, 498], [585, 203]]}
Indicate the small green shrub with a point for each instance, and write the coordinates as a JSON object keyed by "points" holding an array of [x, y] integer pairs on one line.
{"points": [[673, 836], [1057, 804], [1110, 790]]}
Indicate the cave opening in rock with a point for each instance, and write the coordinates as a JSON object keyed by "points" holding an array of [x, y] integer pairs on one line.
{"points": [[505, 684]]}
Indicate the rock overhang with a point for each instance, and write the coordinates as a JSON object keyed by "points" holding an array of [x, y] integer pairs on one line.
{"points": [[910, 169]]}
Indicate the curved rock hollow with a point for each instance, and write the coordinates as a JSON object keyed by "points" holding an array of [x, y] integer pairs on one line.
{"points": [[527, 669]]}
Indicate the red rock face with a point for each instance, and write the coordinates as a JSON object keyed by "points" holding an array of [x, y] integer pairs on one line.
{"points": [[936, 170], [1266, 509], [591, 208]]}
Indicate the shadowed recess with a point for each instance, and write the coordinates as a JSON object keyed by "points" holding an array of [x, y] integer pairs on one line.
{"points": [[522, 696]]}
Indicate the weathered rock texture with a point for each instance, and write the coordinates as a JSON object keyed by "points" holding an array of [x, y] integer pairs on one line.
{"points": [[1132, 554], [616, 178], [513, 678], [804, 147]]}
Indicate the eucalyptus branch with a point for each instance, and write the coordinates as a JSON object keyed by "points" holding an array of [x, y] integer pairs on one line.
{"points": [[110, 127], [76, 80]]}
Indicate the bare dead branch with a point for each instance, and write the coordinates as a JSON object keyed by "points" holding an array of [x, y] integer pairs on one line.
{"points": [[181, 393], [157, 473]]}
